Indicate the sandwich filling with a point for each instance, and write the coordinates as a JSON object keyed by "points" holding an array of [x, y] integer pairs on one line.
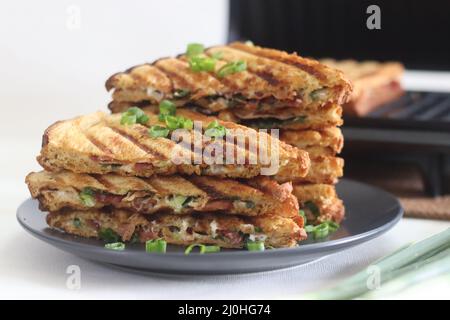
{"points": [[225, 231], [265, 80], [175, 194], [319, 202]]}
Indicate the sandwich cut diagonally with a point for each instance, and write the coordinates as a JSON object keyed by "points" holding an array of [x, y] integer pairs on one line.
{"points": [[217, 229], [272, 80], [98, 143], [169, 194]]}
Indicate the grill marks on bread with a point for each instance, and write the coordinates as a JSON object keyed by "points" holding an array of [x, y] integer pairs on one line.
{"points": [[269, 73], [210, 193]]}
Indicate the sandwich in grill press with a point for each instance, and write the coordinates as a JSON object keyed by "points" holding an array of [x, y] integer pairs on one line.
{"points": [[99, 143], [242, 83]]}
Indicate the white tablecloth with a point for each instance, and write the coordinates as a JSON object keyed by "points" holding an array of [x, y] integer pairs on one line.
{"points": [[33, 269]]}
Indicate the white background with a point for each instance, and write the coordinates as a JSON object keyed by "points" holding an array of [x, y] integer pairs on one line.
{"points": [[49, 71]]}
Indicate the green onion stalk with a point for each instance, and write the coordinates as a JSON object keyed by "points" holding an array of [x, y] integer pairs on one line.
{"points": [[203, 248], [405, 264], [415, 275]]}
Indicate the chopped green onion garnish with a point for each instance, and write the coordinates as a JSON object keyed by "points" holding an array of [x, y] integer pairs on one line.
{"points": [[119, 246], [258, 229], [178, 122], [134, 115], [128, 119], [203, 248], [194, 49], [232, 67], [187, 124], [210, 249], [167, 111], [332, 226], [77, 222], [166, 108], [87, 197], [321, 231], [142, 118], [173, 122], [199, 63], [190, 247], [255, 245], [108, 235], [157, 245], [158, 132], [181, 93], [214, 129]]}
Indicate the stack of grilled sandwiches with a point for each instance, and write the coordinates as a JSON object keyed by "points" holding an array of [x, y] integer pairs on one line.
{"points": [[118, 176]]}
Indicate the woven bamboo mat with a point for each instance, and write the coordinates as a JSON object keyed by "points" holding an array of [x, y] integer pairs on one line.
{"points": [[406, 183]]}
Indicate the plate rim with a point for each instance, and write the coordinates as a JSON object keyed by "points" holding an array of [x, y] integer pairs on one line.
{"points": [[305, 248]]}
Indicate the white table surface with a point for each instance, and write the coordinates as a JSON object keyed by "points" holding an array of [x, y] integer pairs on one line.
{"points": [[52, 72]]}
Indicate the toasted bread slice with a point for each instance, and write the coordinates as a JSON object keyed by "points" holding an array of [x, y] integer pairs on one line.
{"points": [[142, 77], [225, 231], [323, 169], [319, 202], [99, 143], [375, 83], [270, 74], [326, 116], [320, 83], [326, 142], [174, 194]]}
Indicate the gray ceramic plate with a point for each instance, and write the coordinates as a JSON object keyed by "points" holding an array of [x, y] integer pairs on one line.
{"points": [[369, 213]]}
